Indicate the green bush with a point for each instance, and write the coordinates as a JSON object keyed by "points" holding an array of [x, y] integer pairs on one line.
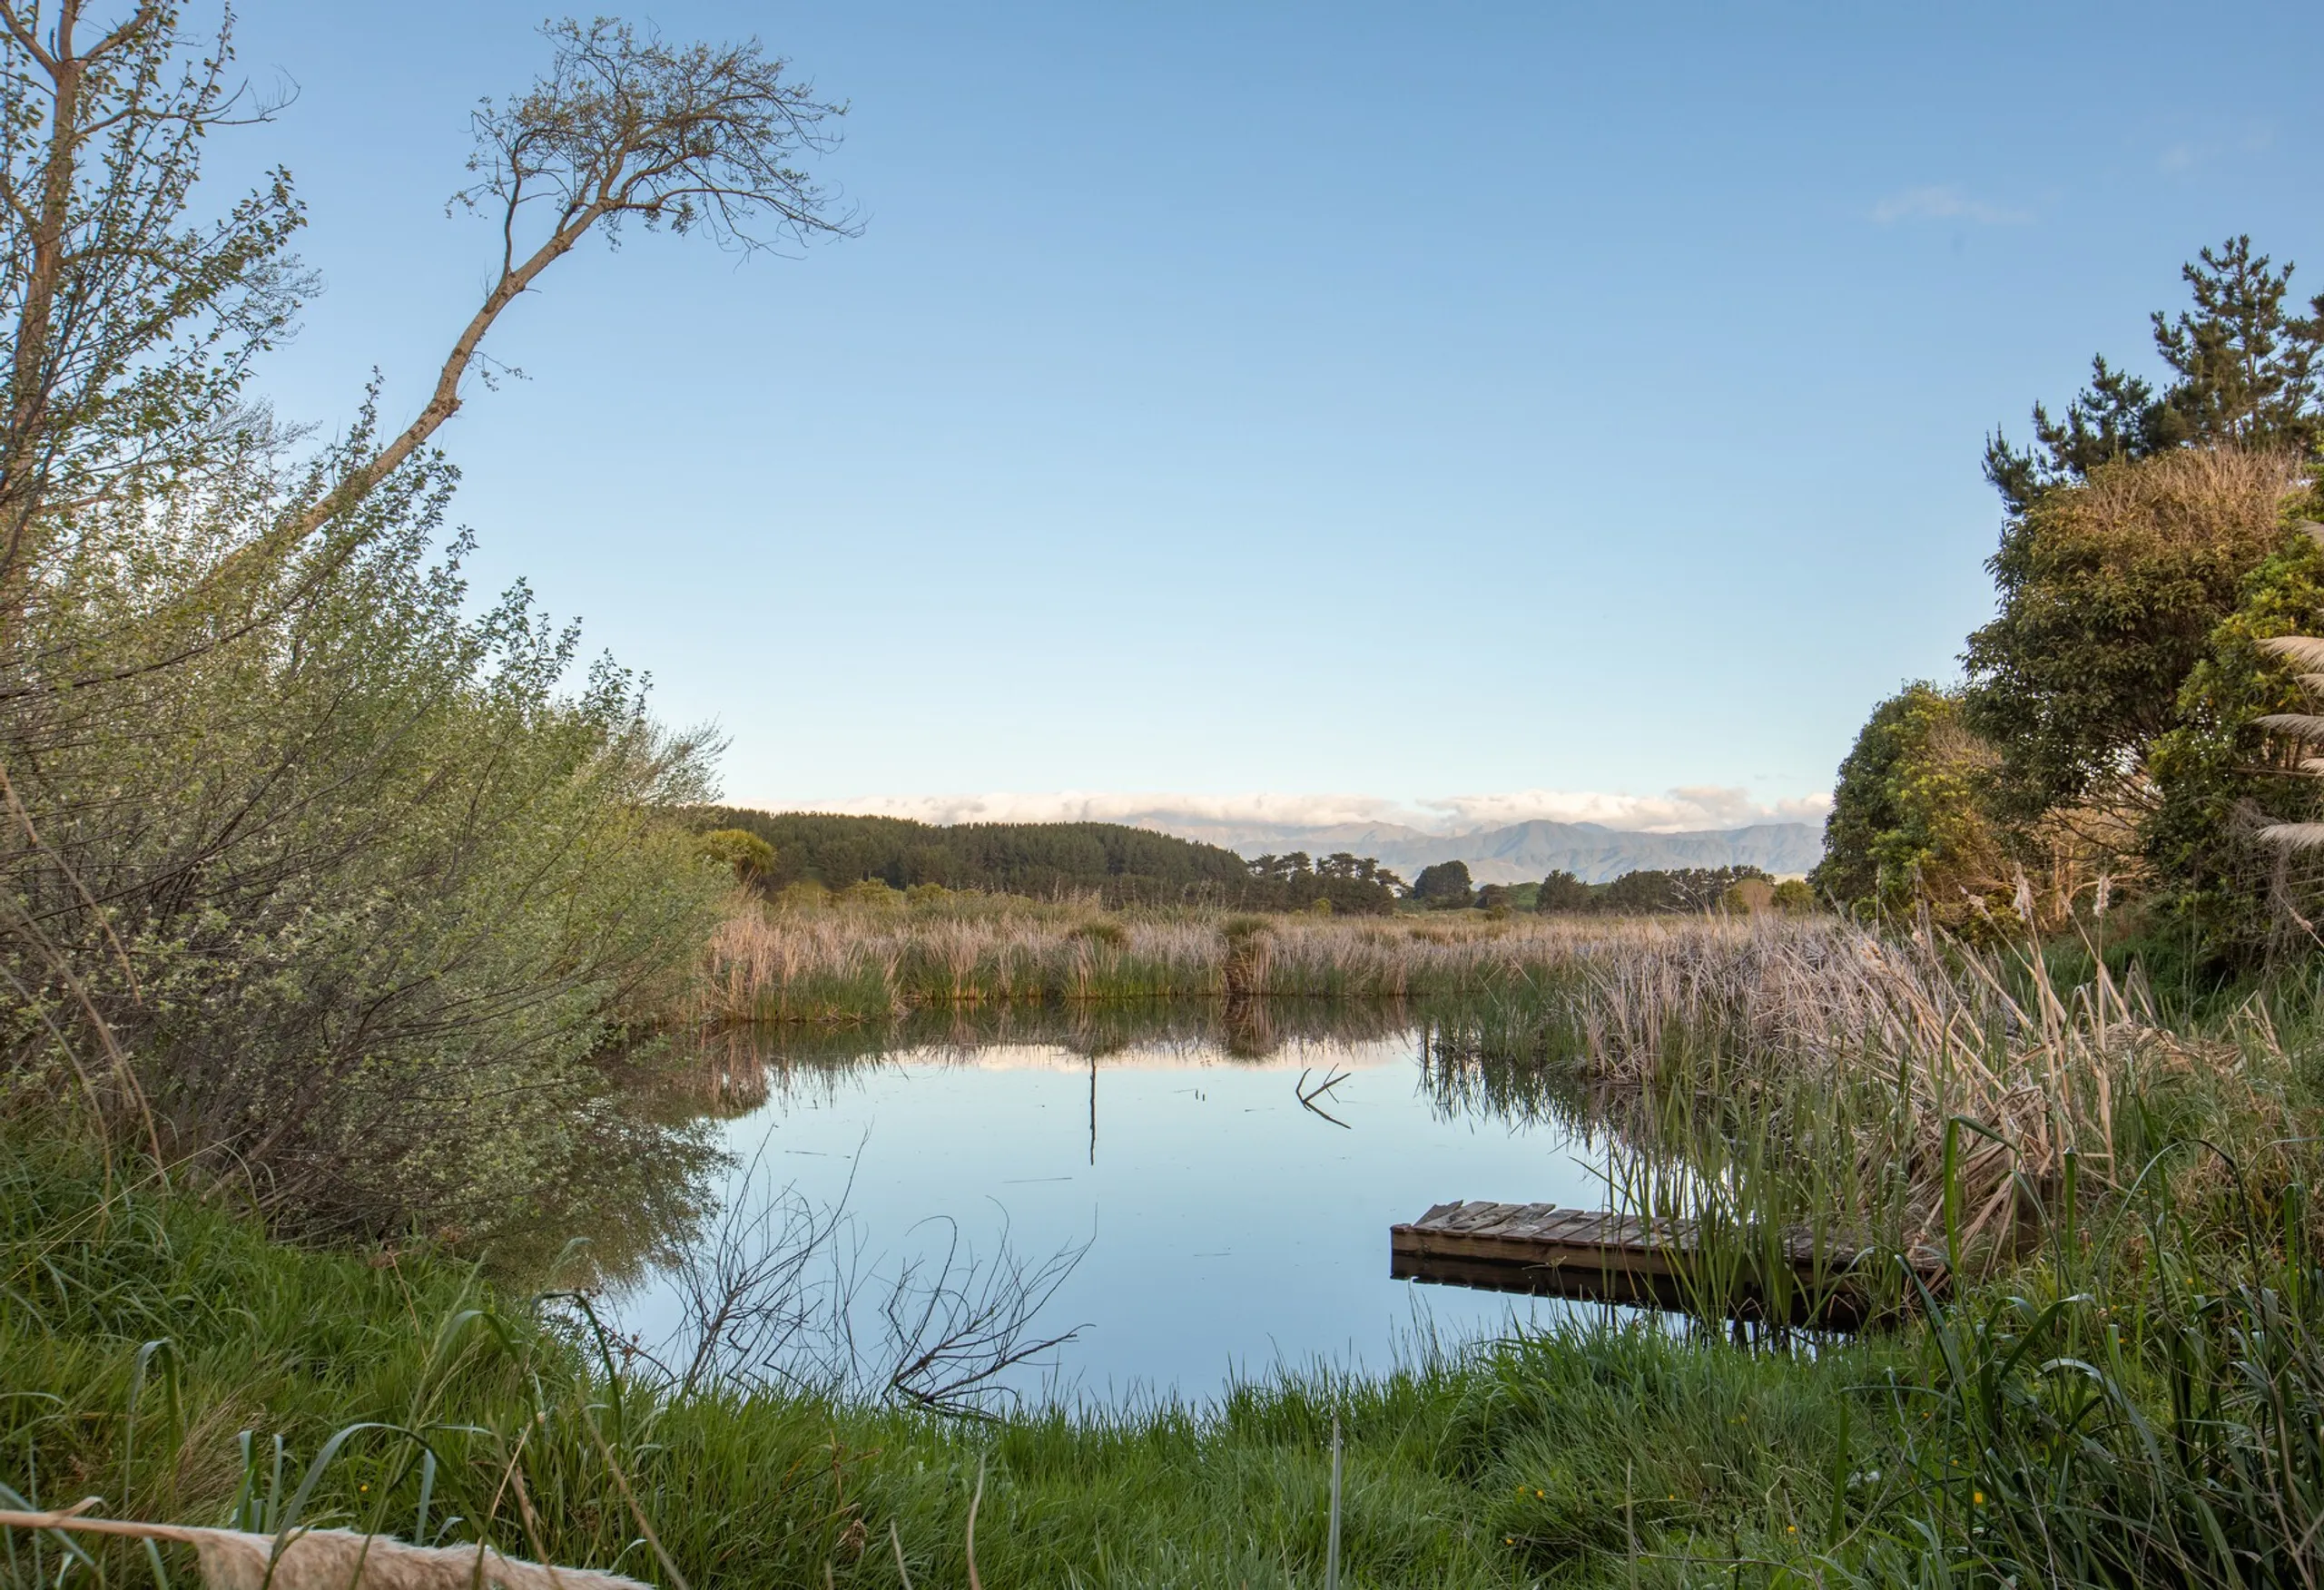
{"points": [[750, 858], [1444, 886], [359, 898], [2220, 777]]}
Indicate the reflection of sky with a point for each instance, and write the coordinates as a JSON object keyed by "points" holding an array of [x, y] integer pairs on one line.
{"points": [[1229, 1228]]}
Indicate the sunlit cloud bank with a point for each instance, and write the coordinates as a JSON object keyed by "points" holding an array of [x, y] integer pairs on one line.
{"points": [[1699, 806], [1679, 811]]}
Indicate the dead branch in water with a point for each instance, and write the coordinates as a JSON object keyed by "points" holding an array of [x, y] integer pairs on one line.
{"points": [[771, 1298], [1308, 1095], [956, 1327]]}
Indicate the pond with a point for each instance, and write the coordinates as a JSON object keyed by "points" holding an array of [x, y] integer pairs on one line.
{"points": [[1224, 1227]]}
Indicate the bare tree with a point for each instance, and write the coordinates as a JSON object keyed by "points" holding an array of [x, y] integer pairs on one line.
{"points": [[764, 1293], [625, 127], [957, 1324], [136, 327]]}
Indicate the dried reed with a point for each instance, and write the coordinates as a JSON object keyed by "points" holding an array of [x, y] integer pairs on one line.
{"points": [[844, 964], [1951, 1087]]}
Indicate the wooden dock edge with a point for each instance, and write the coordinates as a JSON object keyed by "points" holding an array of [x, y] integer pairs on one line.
{"points": [[1595, 1255]]}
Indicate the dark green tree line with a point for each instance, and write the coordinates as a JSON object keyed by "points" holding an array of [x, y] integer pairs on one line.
{"points": [[1120, 864], [1648, 891]]}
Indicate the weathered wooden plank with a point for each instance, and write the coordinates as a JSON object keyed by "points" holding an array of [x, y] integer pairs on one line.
{"points": [[1626, 1258], [1470, 1216]]}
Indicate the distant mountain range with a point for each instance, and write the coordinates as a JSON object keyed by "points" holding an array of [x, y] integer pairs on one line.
{"points": [[1521, 852]]}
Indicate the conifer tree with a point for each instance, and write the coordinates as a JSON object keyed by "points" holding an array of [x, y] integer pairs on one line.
{"points": [[2244, 372]]}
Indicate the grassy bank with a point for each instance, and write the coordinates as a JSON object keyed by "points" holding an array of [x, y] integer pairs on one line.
{"points": [[2126, 1387], [1535, 1457], [2128, 1409]]}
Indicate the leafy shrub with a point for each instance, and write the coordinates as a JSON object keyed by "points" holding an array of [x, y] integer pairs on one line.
{"points": [[750, 857], [360, 898]]}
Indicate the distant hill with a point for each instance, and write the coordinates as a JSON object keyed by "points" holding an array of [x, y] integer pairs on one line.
{"points": [[1120, 863], [1164, 857], [1526, 851]]}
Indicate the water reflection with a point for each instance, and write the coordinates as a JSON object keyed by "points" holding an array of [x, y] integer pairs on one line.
{"points": [[649, 1166], [735, 1071], [1229, 1226]]}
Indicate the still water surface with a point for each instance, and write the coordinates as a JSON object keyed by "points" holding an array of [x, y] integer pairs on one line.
{"points": [[1228, 1228]]}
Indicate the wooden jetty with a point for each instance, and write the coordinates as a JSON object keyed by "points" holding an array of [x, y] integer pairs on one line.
{"points": [[1593, 1253]]}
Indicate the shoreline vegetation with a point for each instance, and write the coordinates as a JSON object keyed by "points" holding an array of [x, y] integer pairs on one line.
{"points": [[2168, 1263], [357, 935], [872, 954]]}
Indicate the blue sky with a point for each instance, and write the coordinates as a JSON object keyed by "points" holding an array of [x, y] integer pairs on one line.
{"points": [[1394, 401]]}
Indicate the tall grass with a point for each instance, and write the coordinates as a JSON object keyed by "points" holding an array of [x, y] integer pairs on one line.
{"points": [[854, 962], [1909, 1091]]}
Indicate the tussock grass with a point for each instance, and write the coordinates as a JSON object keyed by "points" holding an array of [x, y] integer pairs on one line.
{"points": [[1901, 1091], [855, 961]]}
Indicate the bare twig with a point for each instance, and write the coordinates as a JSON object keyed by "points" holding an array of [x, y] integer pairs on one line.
{"points": [[1308, 1095], [954, 1329]]}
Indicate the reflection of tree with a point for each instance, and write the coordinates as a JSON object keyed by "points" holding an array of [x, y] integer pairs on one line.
{"points": [[722, 1077], [1247, 1029], [635, 1194]]}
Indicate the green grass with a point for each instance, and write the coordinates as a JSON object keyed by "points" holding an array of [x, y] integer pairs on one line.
{"points": [[2136, 1407], [1538, 1459]]}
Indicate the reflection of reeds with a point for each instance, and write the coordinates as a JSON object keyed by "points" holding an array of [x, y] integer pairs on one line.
{"points": [[737, 1068]]}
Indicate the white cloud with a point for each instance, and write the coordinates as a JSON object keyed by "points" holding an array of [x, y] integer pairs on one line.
{"points": [[1674, 811], [1086, 806], [2188, 154], [1945, 201]]}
